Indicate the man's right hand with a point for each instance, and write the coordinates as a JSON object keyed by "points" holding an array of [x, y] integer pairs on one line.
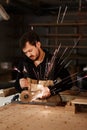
{"points": [[24, 83]]}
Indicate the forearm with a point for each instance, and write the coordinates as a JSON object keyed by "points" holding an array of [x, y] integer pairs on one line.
{"points": [[17, 83], [17, 86]]}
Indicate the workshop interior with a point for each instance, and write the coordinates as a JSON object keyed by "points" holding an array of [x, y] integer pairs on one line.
{"points": [[61, 24]]}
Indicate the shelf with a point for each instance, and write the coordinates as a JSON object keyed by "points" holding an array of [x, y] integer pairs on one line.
{"points": [[55, 46], [60, 24], [72, 31], [72, 35], [64, 35]]}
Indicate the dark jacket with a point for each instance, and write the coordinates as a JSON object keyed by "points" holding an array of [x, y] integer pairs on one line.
{"points": [[26, 68]]}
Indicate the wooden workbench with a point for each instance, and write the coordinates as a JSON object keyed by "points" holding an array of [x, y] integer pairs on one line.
{"points": [[39, 117]]}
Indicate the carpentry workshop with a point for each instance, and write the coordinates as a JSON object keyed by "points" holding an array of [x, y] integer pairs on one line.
{"points": [[43, 64]]}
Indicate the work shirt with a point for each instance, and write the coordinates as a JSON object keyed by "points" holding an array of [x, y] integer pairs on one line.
{"points": [[48, 69]]}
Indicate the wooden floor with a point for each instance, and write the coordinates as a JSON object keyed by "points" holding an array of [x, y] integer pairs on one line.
{"points": [[39, 117]]}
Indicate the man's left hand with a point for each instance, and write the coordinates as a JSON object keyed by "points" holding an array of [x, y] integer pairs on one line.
{"points": [[45, 92]]}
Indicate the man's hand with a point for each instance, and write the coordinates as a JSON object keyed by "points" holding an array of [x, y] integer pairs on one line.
{"points": [[24, 82], [45, 92]]}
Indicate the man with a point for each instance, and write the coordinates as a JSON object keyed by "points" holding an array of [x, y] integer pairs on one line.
{"points": [[39, 64]]}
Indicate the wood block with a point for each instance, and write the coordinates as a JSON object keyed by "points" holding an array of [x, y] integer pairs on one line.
{"points": [[77, 105], [70, 107], [81, 100], [1, 93], [9, 91]]}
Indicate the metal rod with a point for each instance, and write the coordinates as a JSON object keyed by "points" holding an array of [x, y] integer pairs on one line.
{"points": [[75, 43], [62, 54]]}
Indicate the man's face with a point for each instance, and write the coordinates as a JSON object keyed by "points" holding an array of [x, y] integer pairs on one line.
{"points": [[31, 51]]}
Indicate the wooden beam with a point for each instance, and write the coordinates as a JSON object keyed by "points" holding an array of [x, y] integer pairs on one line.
{"points": [[59, 24]]}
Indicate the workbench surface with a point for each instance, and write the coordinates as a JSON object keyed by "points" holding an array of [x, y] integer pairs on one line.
{"points": [[16, 116]]}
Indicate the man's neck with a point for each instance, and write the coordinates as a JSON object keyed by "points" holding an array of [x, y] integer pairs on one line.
{"points": [[40, 59]]}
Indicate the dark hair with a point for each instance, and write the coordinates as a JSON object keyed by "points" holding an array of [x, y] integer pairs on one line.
{"points": [[30, 36]]}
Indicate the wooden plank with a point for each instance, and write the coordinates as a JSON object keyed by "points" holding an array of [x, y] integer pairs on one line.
{"points": [[77, 105], [1, 93], [79, 101], [9, 91], [60, 25], [64, 35]]}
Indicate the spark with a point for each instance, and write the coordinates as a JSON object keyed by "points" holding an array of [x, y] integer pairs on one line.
{"points": [[64, 80], [55, 90], [68, 64], [52, 62], [46, 69], [63, 14], [15, 68], [62, 54], [36, 74], [24, 69], [75, 44], [65, 59], [85, 76], [78, 79], [58, 14]]}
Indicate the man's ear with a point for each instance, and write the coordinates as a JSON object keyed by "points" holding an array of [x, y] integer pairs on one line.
{"points": [[38, 44]]}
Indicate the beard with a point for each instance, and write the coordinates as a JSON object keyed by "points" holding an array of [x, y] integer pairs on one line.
{"points": [[35, 57]]}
